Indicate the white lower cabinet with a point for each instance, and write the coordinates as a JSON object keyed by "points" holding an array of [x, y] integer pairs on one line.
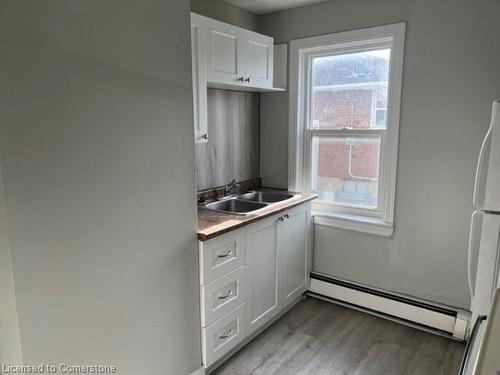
{"points": [[294, 243], [222, 295], [223, 335], [273, 256], [263, 271], [221, 255]]}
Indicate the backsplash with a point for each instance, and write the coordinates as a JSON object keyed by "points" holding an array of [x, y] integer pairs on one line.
{"points": [[239, 188], [232, 151]]}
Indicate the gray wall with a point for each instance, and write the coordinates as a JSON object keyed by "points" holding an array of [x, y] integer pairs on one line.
{"points": [[96, 145], [232, 150], [451, 76], [10, 344], [226, 12]]}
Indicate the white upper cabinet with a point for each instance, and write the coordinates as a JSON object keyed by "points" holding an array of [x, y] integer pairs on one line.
{"points": [[199, 67], [257, 60], [224, 63], [237, 58], [280, 62], [228, 57]]}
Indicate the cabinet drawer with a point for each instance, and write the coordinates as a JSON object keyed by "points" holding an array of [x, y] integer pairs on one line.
{"points": [[222, 295], [221, 255], [223, 335]]}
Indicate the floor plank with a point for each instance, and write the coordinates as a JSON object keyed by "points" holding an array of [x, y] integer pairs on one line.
{"points": [[320, 338]]}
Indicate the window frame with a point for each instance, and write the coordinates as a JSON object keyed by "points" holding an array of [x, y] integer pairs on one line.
{"points": [[375, 221]]}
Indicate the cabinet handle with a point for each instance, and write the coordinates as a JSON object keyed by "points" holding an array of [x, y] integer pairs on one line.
{"points": [[247, 79], [229, 294], [225, 255], [287, 216], [240, 79], [228, 334], [281, 218], [204, 136]]}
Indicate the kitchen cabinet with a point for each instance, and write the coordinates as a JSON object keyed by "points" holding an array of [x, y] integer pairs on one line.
{"points": [[199, 74], [280, 64], [277, 259], [258, 58], [293, 243], [223, 335], [251, 275], [238, 58], [221, 255], [228, 57], [263, 272]]}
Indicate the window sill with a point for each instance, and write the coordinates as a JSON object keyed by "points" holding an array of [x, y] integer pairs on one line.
{"points": [[352, 222]]}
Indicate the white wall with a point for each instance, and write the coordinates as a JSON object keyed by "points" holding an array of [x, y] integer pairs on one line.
{"points": [[451, 76], [96, 146]]}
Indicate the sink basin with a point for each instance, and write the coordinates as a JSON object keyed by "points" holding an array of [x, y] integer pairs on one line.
{"points": [[235, 206], [265, 196]]}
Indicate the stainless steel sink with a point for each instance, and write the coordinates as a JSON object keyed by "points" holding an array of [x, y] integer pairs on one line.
{"points": [[264, 196], [235, 206]]}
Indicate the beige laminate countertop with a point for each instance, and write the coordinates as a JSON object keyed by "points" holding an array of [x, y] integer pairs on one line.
{"points": [[213, 223]]}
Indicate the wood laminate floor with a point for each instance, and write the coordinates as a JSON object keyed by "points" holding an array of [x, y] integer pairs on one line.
{"points": [[318, 337]]}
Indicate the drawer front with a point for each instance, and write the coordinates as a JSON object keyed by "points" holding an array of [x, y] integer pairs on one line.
{"points": [[222, 295], [223, 335], [221, 255]]}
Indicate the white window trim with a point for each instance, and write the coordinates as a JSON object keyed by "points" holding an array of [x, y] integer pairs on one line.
{"points": [[382, 222]]}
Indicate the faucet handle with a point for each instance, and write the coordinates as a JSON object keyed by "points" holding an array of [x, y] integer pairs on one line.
{"points": [[229, 187]]}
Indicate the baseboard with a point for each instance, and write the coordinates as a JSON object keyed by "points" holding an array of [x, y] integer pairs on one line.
{"points": [[446, 320], [200, 371]]}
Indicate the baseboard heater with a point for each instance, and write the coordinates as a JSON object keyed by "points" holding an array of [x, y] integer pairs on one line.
{"points": [[451, 322]]}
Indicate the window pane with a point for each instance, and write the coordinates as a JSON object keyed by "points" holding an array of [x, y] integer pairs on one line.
{"points": [[380, 118], [345, 171], [349, 88]]}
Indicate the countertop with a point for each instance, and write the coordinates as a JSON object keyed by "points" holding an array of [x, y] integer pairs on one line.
{"points": [[213, 223]]}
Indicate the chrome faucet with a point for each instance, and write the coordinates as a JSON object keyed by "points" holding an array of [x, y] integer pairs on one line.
{"points": [[229, 187]]}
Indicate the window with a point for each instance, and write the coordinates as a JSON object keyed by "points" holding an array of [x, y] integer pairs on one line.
{"points": [[345, 94]]}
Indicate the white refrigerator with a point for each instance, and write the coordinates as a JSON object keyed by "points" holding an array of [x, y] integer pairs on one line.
{"points": [[484, 239]]}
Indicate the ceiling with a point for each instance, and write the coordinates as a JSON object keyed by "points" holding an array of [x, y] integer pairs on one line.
{"points": [[268, 6]]}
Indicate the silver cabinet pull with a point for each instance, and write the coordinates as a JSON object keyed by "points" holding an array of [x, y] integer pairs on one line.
{"points": [[225, 255], [229, 294], [228, 334]]}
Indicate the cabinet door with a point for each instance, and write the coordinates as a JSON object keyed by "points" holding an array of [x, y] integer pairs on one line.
{"points": [[199, 74], [257, 60], [224, 45], [293, 240], [263, 295]]}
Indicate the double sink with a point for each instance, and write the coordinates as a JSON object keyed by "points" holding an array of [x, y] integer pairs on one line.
{"points": [[247, 203]]}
